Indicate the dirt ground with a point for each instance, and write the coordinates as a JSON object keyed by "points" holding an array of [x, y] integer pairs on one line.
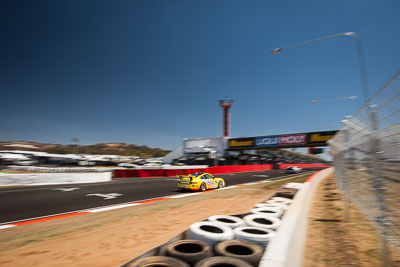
{"points": [[334, 241], [114, 237]]}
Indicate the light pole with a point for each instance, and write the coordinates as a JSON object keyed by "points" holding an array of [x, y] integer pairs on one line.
{"points": [[360, 52], [331, 99]]}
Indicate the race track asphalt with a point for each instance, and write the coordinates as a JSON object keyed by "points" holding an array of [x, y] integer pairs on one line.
{"points": [[21, 203]]}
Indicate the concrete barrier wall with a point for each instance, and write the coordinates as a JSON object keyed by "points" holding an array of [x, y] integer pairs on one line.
{"points": [[287, 248], [12, 179], [127, 173], [60, 169], [162, 172], [239, 168], [304, 165]]}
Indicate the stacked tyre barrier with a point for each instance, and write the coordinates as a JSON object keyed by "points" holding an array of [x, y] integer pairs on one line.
{"points": [[224, 240]]}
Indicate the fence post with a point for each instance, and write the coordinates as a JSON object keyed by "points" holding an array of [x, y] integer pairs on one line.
{"points": [[347, 156], [379, 187]]}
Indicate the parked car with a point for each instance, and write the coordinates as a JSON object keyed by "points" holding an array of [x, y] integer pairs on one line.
{"points": [[25, 162], [293, 169], [127, 165]]}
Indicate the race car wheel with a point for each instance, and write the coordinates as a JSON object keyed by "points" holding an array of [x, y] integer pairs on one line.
{"points": [[210, 232], [262, 220], [253, 234], [240, 249], [203, 187], [221, 184], [222, 261], [227, 220], [156, 261], [190, 251]]}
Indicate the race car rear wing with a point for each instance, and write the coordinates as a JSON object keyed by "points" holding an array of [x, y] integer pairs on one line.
{"points": [[186, 176]]}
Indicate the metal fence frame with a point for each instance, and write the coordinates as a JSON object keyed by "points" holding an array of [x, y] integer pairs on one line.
{"points": [[366, 154]]}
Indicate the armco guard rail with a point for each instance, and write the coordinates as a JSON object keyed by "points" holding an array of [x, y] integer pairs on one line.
{"points": [[147, 173]]}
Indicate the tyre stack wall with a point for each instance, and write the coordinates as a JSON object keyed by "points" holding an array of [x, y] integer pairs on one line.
{"points": [[283, 248]]}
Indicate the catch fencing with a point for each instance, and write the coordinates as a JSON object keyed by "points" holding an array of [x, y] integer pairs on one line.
{"points": [[366, 153]]}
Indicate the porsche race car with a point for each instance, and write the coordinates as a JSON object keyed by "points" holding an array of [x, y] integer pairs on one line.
{"points": [[199, 181]]}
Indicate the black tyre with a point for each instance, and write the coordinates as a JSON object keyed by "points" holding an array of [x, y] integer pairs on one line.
{"points": [[231, 221], [240, 249], [282, 200], [221, 184], [190, 251], [286, 193], [222, 261], [203, 187], [157, 261], [263, 221], [210, 232], [260, 236], [273, 211]]}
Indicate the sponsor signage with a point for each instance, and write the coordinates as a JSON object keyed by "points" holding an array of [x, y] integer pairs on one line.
{"points": [[282, 140], [294, 139], [320, 137], [204, 145], [287, 140], [267, 141], [242, 142]]}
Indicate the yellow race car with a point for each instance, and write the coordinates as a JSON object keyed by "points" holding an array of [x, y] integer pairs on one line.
{"points": [[199, 181]]}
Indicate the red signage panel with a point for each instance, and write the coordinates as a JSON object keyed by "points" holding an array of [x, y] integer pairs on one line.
{"points": [[293, 139]]}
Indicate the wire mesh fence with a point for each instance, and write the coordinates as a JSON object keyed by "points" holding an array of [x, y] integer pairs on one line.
{"points": [[366, 153]]}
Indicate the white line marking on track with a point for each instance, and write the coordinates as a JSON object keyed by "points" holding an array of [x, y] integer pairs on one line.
{"points": [[249, 183], [184, 195], [228, 187], [66, 189], [106, 196], [6, 226], [113, 207]]}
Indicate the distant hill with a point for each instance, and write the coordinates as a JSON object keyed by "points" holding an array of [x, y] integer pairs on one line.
{"points": [[101, 148]]}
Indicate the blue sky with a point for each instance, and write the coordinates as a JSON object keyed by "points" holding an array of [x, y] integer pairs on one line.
{"points": [[150, 72]]}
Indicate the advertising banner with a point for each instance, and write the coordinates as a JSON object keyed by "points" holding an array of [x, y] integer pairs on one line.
{"points": [[320, 137], [241, 142], [287, 140], [267, 141], [199, 144], [294, 139]]}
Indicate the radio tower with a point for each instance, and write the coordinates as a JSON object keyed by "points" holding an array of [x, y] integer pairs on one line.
{"points": [[226, 105]]}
